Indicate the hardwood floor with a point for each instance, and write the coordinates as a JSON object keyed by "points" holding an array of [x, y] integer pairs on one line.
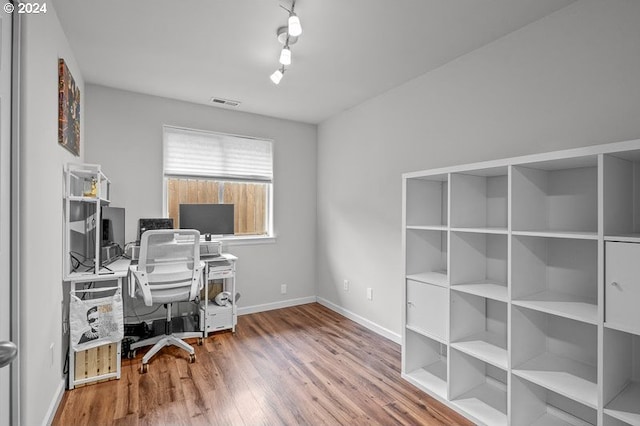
{"points": [[301, 365]]}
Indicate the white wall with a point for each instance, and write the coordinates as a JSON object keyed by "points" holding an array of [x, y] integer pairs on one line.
{"points": [[568, 80], [41, 176], [124, 135]]}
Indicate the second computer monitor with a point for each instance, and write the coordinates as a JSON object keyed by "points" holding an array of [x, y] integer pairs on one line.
{"points": [[149, 224], [215, 219]]}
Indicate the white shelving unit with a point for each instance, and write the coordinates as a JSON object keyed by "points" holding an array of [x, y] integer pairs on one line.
{"points": [[86, 191], [521, 287]]}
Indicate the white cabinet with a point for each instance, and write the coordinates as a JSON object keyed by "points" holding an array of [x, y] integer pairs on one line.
{"points": [[622, 286], [426, 306], [522, 287]]}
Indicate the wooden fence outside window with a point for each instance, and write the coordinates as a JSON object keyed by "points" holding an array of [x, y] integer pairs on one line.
{"points": [[250, 201]]}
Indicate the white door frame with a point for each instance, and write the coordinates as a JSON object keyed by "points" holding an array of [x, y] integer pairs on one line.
{"points": [[9, 209], [15, 215]]}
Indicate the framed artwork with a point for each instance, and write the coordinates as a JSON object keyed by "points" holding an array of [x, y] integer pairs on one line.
{"points": [[68, 110]]}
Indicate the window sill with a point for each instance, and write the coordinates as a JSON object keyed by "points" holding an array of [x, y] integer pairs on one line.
{"points": [[248, 240]]}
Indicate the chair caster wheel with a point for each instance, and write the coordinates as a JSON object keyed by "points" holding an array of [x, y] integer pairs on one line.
{"points": [[131, 354], [200, 341], [144, 368], [192, 358]]}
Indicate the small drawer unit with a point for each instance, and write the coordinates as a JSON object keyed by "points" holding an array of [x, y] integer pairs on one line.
{"points": [[220, 277], [622, 286], [220, 270], [216, 318]]}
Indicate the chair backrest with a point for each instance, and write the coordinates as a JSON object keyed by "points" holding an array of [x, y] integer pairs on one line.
{"points": [[169, 267]]}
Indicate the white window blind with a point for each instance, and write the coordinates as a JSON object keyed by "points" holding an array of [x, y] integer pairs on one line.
{"points": [[216, 155]]}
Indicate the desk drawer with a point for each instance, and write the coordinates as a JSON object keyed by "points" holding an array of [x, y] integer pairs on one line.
{"points": [[215, 274]]}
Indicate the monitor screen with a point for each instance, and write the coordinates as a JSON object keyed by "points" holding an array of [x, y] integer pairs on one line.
{"points": [[216, 219], [112, 226], [155, 223]]}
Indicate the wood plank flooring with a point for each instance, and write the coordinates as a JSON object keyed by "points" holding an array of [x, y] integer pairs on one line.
{"points": [[304, 365]]}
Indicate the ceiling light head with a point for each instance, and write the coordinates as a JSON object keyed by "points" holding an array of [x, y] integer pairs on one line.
{"points": [[295, 29], [285, 56], [283, 35], [277, 76]]}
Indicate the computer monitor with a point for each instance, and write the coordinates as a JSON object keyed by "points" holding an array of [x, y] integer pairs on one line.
{"points": [[216, 219], [145, 224], [112, 226], [112, 238]]}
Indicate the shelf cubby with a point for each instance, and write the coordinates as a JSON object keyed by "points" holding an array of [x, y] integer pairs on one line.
{"points": [[427, 202], [427, 309], [479, 389], [426, 256], [479, 328], [479, 264], [622, 376], [556, 197], [425, 363], [556, 275], [479, 199], [533, 405], [622, 196], [612, 421], [556, 353]]}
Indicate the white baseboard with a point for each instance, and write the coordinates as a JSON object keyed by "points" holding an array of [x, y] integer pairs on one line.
{"points": [[53, 406], [394, 337], [275, 305]]}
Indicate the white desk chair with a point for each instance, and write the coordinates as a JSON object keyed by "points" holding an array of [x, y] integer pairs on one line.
{"points": [[168, 270]]}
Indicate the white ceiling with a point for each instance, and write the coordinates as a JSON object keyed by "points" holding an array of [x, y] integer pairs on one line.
{"points": [[350, 50]]}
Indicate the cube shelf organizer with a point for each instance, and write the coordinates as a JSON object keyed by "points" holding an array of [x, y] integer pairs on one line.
{"points": [[522, 287]]}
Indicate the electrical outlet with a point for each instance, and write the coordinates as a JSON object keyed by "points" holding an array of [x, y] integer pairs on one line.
{"points": [[51, 347], [283, 289], [345, 285], [369, 293]]}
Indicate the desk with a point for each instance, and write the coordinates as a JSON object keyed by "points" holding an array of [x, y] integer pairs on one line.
{"points": [[116, 271]]}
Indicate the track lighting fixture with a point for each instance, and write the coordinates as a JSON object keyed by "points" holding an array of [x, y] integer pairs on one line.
{"points": [[287, 35]]}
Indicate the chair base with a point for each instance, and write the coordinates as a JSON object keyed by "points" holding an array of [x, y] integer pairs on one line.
{"points": [[177, 327], [168, 341]]}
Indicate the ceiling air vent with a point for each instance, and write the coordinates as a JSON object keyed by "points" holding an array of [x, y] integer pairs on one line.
{"points": [[225, 102]]}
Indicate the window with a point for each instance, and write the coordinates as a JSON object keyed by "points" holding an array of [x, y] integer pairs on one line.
{"points": [[203, 167]]}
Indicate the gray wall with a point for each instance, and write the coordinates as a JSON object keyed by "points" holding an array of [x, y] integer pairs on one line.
{"points": [[568, 80], [41, 177], [124, 135]]}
